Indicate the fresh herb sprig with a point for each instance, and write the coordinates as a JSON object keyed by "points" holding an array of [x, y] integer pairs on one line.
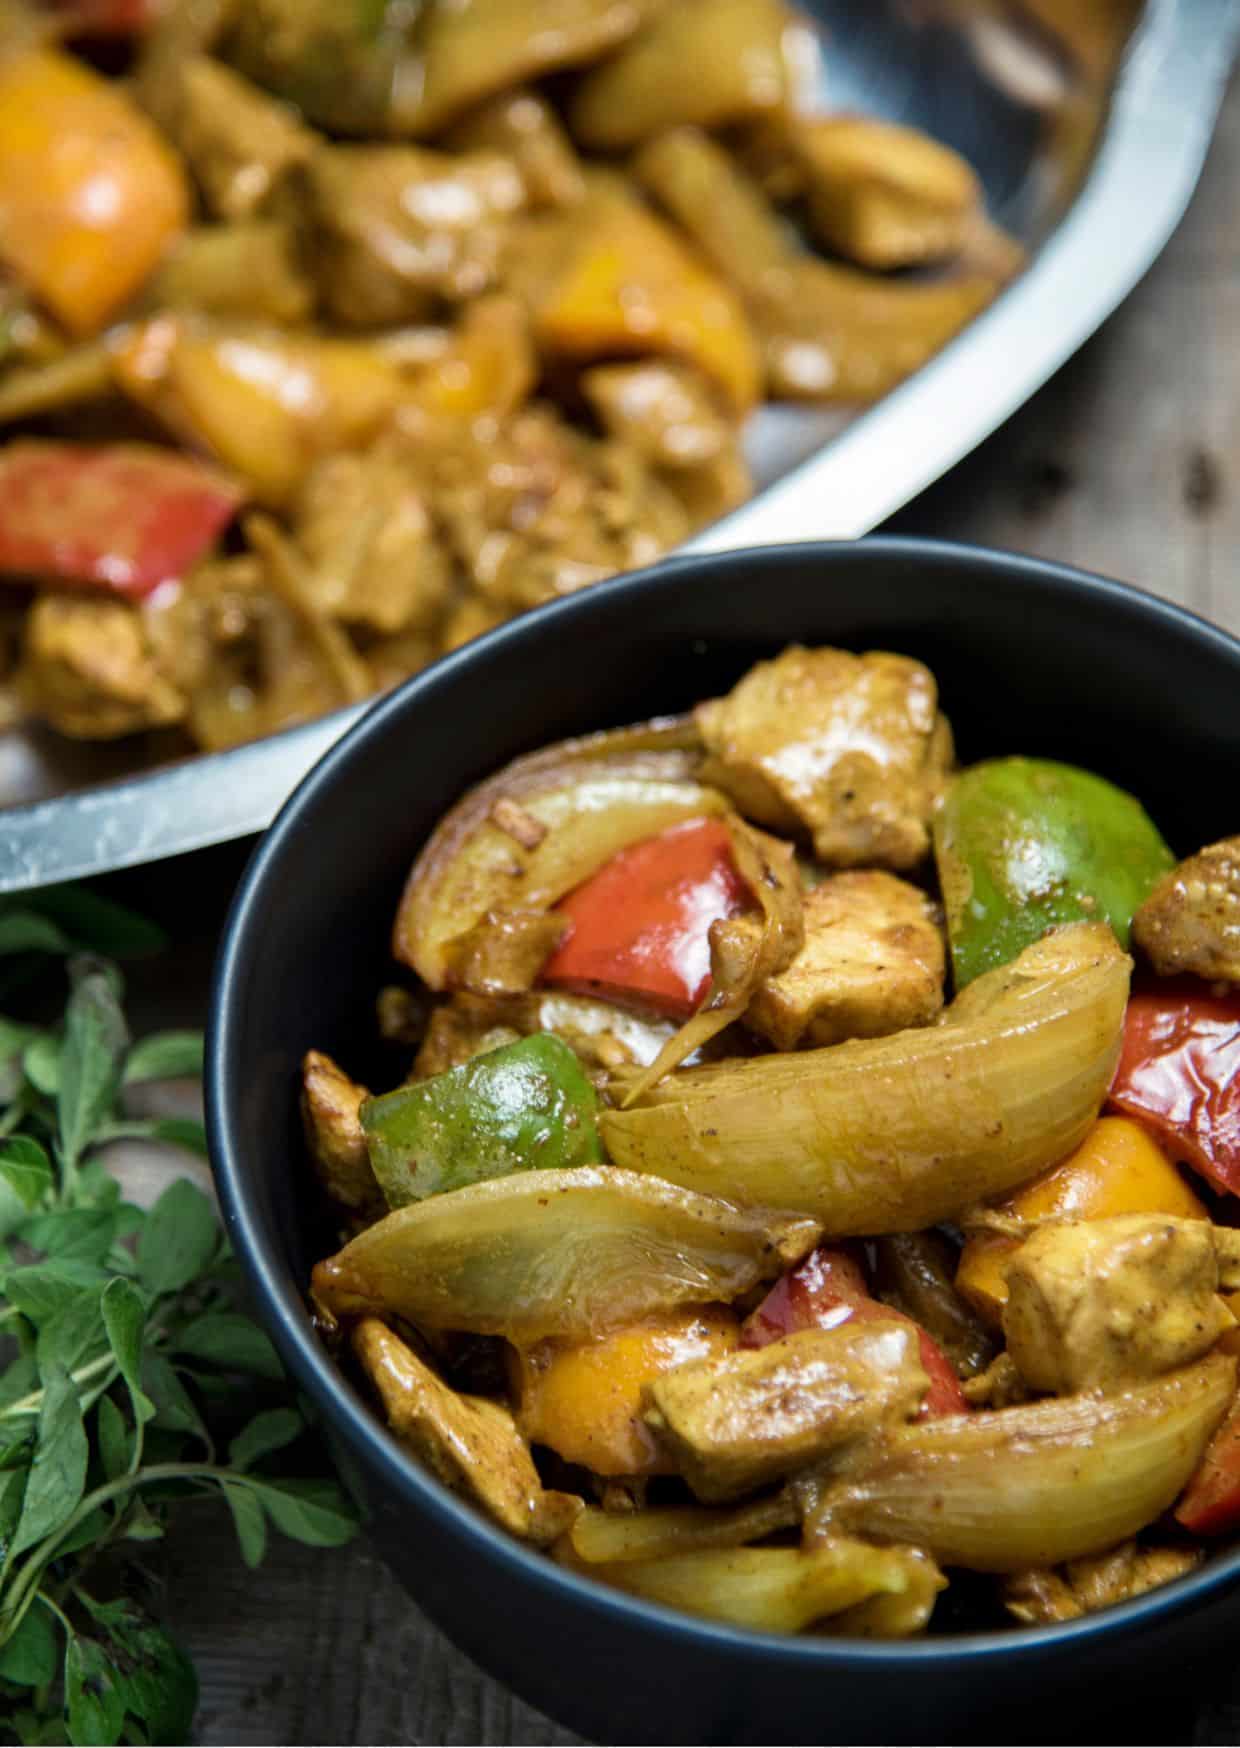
{"points": [[130, 1380]]}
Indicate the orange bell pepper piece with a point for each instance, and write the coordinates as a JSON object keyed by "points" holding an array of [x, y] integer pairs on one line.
{"points": [[629, 287], [585, 1402], [90, 194], [1118, 1169]]}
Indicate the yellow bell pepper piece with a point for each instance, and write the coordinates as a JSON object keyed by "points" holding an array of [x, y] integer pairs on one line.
{"points": [[1117, 1169], [629, 287], [488, 368], [90, 194], [585, 1402], [266, 404]]}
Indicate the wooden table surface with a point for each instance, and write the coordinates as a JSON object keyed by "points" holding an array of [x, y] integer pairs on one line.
{"points": [[1129, 464]]}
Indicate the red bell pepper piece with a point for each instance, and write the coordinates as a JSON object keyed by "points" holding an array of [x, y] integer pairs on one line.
{"points": [[828, 1288], [1179, 1074], [124, 517], [640, 926], [1210, 1504]]}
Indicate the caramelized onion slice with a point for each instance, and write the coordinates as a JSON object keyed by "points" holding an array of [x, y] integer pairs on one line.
{"points": [[895, 1134], [542, 825], [772, 1590], [607, 1538], [1034, 1485], [569, 1253]]}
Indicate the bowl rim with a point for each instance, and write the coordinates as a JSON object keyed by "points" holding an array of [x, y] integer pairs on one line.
{"points": [[282, 1306]]}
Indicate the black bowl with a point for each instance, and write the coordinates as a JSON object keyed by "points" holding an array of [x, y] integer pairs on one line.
{"points": [[1030, 658]]}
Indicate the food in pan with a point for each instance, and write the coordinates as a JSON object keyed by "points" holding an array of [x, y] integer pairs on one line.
{"points": [[333, 334], [810, 1192]]}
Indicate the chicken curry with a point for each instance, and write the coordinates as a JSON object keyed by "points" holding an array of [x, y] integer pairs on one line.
{"points": [[813, 1179], [332, 334]]}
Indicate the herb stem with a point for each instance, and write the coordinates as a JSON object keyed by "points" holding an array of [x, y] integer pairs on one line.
{"points": [[32, 1403], [24, 1587]]}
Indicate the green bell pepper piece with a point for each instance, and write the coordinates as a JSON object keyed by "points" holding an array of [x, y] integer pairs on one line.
{"points": [[525, 1107], [1025, 844]]}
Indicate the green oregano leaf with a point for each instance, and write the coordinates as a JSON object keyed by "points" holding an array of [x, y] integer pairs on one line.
{"points": [[115, 1442], [165, 1056], [24, 931], [92, 1058], [157, 1679], [96, 924], [267, 1432], [248, 1520], [174, 1407], [124, 1318], [94, 1696], [26, 1169], [314, 1512], [31, 1657], [232, 1342], [72, 1234], [178, 1240], [73, 1336], [58, 1471]]}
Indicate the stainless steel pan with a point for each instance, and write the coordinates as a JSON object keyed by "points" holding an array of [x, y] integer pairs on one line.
{"points": [[1094, 178]]}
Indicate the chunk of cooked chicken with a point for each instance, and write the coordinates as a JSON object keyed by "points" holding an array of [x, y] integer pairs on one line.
{"points": [[872, 963], [241, 144], [465, 1027], [538, 510], [505, 951], [330, 1103], [363, 524], [524, 127], [250, 661], [400, 228], [1191, 920], [883, 195], [1097, 1304], [470, 1442], [733, 1424], [665, 410], [1064, 1593], [851, 748], [88, 668]]}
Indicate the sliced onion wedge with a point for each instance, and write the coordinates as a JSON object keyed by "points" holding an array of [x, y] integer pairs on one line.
{"points": [[538, 828], [1033, 1485], [569, 1253], [608, 1537], [895, 1134], [772, 1590]]}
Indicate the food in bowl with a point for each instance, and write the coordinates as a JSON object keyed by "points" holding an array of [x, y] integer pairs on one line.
{"points": [[715, 1245], [332, 335]]}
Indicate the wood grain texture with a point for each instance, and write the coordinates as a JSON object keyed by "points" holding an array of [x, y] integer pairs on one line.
{"points": [[1129, 464]]}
